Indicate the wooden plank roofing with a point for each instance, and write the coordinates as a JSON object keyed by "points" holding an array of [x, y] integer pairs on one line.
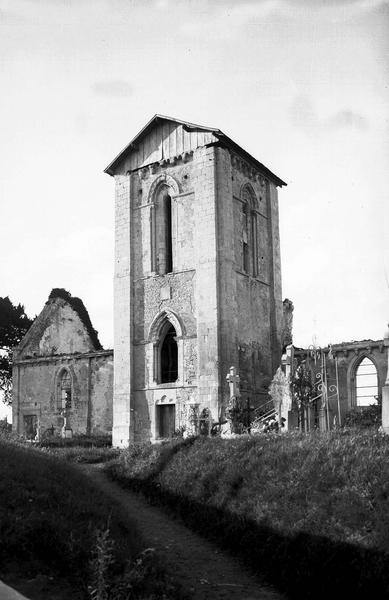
{"points": [[165, 137]]}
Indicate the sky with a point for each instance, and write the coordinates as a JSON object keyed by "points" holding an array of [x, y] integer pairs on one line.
{"points": [[301, 85]]}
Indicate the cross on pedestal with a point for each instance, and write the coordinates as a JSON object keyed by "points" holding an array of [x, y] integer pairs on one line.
{"points": [[233, 381]]}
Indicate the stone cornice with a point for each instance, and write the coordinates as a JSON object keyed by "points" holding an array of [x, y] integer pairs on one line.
{"points": [[60, 357]]}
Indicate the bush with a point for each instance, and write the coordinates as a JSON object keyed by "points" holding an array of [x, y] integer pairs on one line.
{"points": [[363, 418]]}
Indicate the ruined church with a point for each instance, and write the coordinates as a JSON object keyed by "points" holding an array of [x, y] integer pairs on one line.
{"points": [[197, 288]]}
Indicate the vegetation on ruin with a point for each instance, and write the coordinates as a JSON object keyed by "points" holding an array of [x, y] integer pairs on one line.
{"points": [[310, 512], [56, 527]]}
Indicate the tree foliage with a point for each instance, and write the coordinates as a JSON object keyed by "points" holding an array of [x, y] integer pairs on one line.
{"points": [[14, 324]]}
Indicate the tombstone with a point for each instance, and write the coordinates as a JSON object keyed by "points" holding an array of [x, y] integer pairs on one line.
{"points": [[385, 390]]}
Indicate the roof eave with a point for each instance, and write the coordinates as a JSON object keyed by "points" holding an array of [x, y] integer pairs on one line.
{"points": [[132, 145], [234, 146]]}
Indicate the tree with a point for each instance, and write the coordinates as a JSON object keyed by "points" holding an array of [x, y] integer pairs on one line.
{"points": [[14, 324]]}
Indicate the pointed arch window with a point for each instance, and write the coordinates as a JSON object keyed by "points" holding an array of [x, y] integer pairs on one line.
{"points": [[166, 354], [169, 357], [366, 383], [250, 263], [161, 232], [64, 392]]}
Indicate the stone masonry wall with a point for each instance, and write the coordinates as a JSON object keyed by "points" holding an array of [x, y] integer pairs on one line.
{"points": [[36, 392], [221, 315], [248, 305], [121, 432], [348, 357], [194, 255]]}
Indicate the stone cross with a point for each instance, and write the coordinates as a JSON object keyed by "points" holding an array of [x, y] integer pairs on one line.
{"points": [[233, 381]]}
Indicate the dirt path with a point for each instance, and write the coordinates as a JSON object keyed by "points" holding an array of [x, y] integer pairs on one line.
{"points": [[203, 570]]}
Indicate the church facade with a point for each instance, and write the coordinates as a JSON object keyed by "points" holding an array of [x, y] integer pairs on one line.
{"points": [[197, 279], [62, 377]]}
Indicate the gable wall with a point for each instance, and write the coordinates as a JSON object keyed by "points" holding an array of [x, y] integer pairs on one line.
{"points": [[57, 330], [166, 140]]}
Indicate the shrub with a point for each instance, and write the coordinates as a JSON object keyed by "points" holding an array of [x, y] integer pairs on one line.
{"points": [[363, 418]]}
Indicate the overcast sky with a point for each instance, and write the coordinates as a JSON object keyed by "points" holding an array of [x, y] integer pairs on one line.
{"points": [[302, 85]]}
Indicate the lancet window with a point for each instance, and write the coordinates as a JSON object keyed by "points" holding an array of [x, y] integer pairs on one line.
{"points": [[250, 263], [161, 232], [64, 392], [366, 383]]}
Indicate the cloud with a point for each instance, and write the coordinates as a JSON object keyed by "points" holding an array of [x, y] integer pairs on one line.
{"points": [[117, 87], [305, 117], [223, 20], [303, 114], [347, 118]]}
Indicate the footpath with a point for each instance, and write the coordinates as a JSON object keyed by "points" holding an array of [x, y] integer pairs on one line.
{"points": [[202, 569], [8, 593]]}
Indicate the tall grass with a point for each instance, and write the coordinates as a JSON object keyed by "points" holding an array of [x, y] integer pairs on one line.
{"points": [[331, 489]]}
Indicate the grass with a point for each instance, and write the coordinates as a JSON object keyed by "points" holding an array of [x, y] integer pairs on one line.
{"points": [[317, 506], [51, 520], [81, 455]]}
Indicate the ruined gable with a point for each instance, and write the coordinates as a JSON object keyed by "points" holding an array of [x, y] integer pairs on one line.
{"points": [[63, 327], [62, 377]]}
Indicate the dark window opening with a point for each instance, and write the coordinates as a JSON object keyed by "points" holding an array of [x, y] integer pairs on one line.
{"points": [[168, 233], [245, 257], [254, 243], [169, 357]]}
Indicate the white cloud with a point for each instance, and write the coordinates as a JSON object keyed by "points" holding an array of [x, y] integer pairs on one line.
{"points": [[113, 88], [305, 117]]}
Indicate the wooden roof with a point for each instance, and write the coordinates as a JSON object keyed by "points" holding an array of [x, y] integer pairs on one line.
{"points": [[164, 137]]}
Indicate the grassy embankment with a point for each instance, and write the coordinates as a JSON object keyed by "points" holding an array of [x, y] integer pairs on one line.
{"points": [[62, 538], [308, 512]]}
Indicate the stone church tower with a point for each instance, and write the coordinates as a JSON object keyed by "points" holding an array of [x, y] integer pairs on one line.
{"points": [[197, 278]]}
